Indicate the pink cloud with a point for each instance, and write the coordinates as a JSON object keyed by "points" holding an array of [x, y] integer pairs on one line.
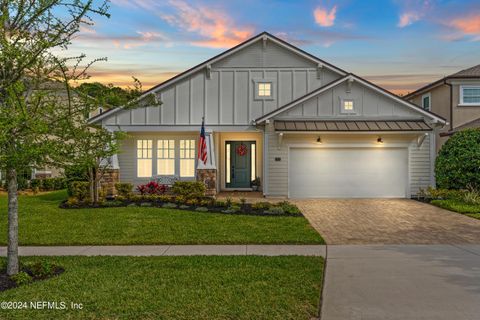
{"points": [[408, 18], [469, 25], [413, 11], [324, 17], [216, 27]]}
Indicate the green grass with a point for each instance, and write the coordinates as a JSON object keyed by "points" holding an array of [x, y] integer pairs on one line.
{"points": [[42, 222], [177, 288], [470, 210]]}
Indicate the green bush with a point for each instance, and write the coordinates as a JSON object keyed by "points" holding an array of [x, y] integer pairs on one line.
{"points": [[48, 184], [124, 189], [41, 269], [288, 207], [458, 162], [21, 278], [79, 190], [189, 189], [261, 205], [36, 183]]}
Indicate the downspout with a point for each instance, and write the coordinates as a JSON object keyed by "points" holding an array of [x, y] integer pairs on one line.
{"points": [[451, 103]]}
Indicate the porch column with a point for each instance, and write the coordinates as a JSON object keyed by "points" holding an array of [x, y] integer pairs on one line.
{"points": [[110, 177], [207, 173]]}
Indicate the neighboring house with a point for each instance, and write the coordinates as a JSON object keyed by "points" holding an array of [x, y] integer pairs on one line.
{"points": [[306, 128], [455, 97]]}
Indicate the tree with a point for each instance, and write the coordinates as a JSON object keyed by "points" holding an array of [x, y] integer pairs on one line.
{"points": [[109, 95], [458, 162], [30, 115]]}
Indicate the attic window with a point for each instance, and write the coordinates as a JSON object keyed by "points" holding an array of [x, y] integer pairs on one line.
{"points": [[347, 106], [264, 89]]}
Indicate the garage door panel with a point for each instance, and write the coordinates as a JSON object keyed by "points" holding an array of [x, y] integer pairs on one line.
{"points": [[348, 172]]}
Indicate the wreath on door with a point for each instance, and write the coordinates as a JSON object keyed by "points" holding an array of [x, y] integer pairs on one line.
{"points": [[241, 150]]}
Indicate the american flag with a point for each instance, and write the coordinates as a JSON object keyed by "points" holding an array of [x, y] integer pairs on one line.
{"points": [[202, 145]]}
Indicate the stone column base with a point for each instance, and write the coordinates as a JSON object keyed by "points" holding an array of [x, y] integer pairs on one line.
{"points": [[209, 178], [107, 183]]}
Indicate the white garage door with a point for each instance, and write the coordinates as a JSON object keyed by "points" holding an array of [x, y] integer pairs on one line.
{"points": [[348, 172]]}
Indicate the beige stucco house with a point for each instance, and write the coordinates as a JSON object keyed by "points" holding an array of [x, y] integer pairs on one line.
{"points": [[455, 97], [305, 127]]}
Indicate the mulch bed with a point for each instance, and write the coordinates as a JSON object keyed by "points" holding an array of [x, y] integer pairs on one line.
{"points": [[247, 209], [7, 283]]}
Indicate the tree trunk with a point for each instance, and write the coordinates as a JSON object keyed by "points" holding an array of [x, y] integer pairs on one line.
{"points": [[91, 180], [12, 251], [95, 183]]}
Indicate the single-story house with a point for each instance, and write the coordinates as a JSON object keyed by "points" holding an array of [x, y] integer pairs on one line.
{"points": [[303, 126]]}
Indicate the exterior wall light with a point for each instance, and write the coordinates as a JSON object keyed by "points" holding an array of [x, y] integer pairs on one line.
{"points": [[379, 140]]}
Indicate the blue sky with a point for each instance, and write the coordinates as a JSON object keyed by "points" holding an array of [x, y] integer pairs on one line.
{"points": [[400, 45]]}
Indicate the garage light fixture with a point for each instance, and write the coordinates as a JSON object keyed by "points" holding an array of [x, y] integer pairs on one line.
{"points": [[319, 140], [379, 140]]}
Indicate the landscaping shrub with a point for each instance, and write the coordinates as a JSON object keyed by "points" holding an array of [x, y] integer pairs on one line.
{"points": [[288, 207], [41, 269], [79, 190], [458, 162], [189, 189], [152, 188], [471, 196], [124, 189], [21, 278], [48, 184], [261, 205]]}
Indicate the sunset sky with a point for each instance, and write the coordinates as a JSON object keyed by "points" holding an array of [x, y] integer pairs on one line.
{"points": [[400, 45]]}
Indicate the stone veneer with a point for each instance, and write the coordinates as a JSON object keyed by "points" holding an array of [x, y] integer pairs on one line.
{"points": [[107, 183], [209, 178]]}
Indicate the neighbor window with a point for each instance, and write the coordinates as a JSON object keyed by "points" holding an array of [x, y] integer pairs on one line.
{"points": [[347, 106], [187, 158], [166, 157], [264, 89], [470, 95], [144, 158], [426, 101]]}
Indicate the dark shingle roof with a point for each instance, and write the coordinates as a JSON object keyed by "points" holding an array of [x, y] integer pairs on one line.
{"points": [[469, 72]]}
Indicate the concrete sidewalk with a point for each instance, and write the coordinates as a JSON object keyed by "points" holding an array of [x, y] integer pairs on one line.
{"points": [[172, 250], [402, 282]]}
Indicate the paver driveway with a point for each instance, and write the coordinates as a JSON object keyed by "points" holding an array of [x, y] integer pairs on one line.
{"points": [[388, 221]]}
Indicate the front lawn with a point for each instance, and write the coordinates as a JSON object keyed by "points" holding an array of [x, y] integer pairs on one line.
{"points": [[42, 222], [471, 210], [176, 288]]}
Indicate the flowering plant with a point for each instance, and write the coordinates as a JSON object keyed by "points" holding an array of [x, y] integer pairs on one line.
{"points": [[152, 188]]}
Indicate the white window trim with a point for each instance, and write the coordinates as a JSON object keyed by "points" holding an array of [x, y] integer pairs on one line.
{"points": [[342, 109], [273, 84], [429, 95], [152, 159], [177, 157], [461, 103]]}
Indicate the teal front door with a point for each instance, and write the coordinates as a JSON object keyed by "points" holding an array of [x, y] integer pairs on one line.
{"points": [[238, 163]]}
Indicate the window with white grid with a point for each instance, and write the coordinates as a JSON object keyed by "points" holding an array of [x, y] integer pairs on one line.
{"points": [[166, 157]]}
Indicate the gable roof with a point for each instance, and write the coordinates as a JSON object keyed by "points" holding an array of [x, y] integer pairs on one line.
{"points": [[260, 36], [472, 73], [351, 77]]}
